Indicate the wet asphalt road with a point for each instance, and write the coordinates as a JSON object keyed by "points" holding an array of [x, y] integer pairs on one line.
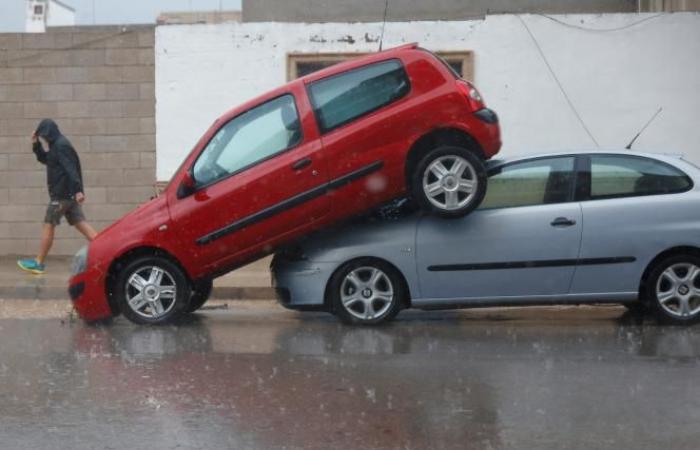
{"points": [[262, 378]]}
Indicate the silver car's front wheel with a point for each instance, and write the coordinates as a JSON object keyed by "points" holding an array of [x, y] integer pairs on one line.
{"points": [[673, 289], [367, 291]]}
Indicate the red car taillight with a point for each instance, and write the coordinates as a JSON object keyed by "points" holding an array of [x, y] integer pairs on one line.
{"points": [[476, 102]]}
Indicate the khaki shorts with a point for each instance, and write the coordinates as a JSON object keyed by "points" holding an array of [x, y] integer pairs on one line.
{"points": [[59, 208]]}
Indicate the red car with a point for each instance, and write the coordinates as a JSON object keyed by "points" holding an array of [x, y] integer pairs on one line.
{"points": [[320, 149]]}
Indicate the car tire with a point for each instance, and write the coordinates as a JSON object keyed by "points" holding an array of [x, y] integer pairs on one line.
{"points": [[673, 290], [437, 179], [366, 291], [201, 291], [152, 290]]}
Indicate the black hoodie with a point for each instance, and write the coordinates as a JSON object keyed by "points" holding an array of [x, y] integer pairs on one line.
{"points": [[63, 174]]}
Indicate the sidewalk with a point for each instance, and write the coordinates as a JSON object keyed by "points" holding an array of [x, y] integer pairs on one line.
{"points": [[251, 282]]}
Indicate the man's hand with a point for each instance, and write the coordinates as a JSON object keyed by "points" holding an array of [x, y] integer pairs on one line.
{"points": [[80, 197], [34, 138]]}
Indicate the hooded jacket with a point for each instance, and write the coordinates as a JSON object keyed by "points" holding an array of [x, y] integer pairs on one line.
{"points": [[63, 174]]}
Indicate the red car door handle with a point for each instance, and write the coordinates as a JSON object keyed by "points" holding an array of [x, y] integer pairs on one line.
{"points": [[306, 162]]}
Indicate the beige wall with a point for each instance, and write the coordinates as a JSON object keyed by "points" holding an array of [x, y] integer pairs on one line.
{"points": [[98, 84]]}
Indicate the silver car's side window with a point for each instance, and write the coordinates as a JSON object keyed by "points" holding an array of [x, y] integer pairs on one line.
{"points": [[623, 176], [536, 182]]}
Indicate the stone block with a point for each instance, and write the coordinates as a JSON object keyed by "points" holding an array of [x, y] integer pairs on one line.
{"points": [[123, 126], [40, 110], [147, 125], [10, 75], [138, 73], [86, 57], [24, 161], [39, 75], [101, 178], [56, 92], [133, 195], [89, 91], [148, 160], [10, 41], [18, 127], [147, 91], [29, 196], [140, 108], [110, 160], [19, 93], [139, 177], [108, 143], [10, 110], [23, 213], [121, 91], [85, 127], [122, 57]]}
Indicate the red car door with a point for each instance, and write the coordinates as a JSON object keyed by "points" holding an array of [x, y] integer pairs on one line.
{"points": [[260, 179], [365, 116]]}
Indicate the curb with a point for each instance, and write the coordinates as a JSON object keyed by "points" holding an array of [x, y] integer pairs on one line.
{"points": [[53, 292]]}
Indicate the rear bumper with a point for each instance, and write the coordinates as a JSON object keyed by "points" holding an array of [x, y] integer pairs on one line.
{"points": [[88, 295], [485, 128]]}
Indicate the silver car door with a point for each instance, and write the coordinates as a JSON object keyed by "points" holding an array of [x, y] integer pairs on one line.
{"points": [[523, 241], [636, 208]]}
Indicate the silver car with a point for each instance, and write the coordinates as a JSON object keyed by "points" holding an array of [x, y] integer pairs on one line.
{"points": [[564, 228]]}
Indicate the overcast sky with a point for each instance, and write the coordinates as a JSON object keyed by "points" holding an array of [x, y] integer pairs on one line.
{"points": [[111, 11]]}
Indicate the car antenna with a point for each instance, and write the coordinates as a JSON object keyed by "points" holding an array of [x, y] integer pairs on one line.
{"points": [[629, 146], [381, 38]]}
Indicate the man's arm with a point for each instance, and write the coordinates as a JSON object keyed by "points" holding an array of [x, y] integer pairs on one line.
{"points": [[71, 168], [38, 151]]}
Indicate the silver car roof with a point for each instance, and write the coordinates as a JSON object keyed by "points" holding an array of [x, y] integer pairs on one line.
{"points": [[672, 158]]}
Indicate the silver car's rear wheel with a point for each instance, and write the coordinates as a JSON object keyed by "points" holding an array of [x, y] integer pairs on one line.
{"points": [[678, 290], [366, 291]]}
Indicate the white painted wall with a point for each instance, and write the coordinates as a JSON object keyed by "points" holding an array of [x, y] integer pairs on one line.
{"points": [[616, 79], [60, 15]]}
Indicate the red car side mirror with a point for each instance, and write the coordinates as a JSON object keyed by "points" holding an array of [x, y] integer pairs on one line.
{"points": [[187, 185]]}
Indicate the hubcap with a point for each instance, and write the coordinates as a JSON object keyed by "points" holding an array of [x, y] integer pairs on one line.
{"points": [[367, 293], [678, 290], [151, 292], [450, 182]]}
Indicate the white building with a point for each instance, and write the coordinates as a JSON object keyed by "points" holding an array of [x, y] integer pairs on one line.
{"points": [[47, 13], [616, 70]]}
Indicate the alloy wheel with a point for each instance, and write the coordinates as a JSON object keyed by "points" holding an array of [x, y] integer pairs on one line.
{"points": [[367, 293], [678, 290], [151, 292], [450, 182]]}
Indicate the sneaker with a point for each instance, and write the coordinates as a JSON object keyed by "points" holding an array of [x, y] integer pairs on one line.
{"points": [[31, 266]]}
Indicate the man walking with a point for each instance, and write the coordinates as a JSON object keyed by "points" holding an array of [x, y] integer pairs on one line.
{"points": [[65, 182]]}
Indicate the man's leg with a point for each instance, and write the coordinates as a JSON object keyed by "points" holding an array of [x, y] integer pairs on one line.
{"points": [[47, 234], [86, 229]]}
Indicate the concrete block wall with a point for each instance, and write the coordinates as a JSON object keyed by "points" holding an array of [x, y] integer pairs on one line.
{"points": [[98, 84]]}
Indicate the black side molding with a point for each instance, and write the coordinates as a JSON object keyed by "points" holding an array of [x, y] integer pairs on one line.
{"points": [[290, 203], [533, 264]]}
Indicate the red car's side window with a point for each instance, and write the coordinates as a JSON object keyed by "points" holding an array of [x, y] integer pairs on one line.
{"points": [[250, 138], [343, 98]]}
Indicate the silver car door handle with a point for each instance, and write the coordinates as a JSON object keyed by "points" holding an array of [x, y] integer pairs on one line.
{"points": [[563, 222]]}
